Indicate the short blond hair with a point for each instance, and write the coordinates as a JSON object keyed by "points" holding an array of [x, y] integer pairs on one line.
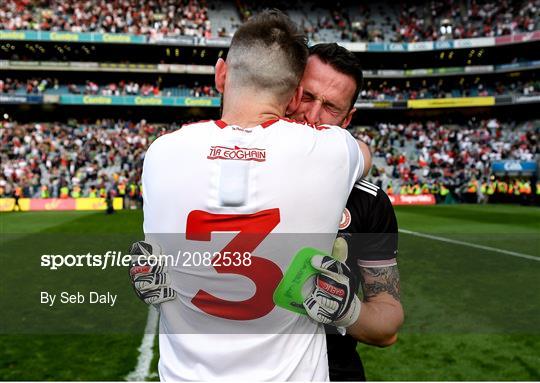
{"points": [[268, 53]]}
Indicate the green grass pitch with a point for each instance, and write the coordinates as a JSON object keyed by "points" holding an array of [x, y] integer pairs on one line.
{"points": [[471, 313]]}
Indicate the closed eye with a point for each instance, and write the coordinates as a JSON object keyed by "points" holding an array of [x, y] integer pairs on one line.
{"points": [[307, 96]]}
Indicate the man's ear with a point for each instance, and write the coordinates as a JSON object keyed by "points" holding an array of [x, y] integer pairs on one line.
{"points": [[294, 104], [220, 75], [348, 119]]}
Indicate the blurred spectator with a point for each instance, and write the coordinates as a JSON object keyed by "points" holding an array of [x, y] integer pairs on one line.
{"points": [[80, 159], [121, 88], [453, 155], [154, 17]]}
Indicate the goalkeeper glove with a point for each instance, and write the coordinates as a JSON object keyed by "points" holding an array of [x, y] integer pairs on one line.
{"points": [[149, 278], [334, 300]]}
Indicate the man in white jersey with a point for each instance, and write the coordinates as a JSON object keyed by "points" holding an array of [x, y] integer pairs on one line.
{"points": [[249, 175]]}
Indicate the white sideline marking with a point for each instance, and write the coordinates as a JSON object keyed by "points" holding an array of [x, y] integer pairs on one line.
{"points": [[142, 369], [482, 247]]}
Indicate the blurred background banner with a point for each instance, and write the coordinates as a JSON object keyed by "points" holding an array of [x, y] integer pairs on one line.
{"points": [[36, 204]]}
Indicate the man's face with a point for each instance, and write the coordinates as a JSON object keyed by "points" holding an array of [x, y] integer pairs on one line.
{"points": [[327, 95]]}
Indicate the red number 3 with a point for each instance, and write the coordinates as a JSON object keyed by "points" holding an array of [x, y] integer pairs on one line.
{"points": [[265, 274]]}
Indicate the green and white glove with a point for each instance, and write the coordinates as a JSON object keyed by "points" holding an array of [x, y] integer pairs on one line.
{"points": [[334, 300]]}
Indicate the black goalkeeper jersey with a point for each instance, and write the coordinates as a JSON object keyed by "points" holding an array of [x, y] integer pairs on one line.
{"points": [[370, 227]]}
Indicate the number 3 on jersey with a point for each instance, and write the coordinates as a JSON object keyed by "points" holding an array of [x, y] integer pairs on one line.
{"points": [[265, 274]]}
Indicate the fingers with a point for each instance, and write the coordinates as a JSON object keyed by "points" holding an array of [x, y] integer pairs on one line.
{"points": [[340, 250], [145, 248], [143, 265], [148, 275], [157, 296], [144, 282], [316, 310], [327, 265], [324, 263]]}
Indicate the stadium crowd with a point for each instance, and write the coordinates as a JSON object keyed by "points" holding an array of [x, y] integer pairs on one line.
{"points": [[433, 157], [120, 88], [385, 91], [372, 91], [153, 17], [81, 159], [410, 21], [75, 159], [440, 19]]}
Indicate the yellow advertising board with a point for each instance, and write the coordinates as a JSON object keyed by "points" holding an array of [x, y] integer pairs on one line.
{"points": [[453, 102], [97, 204], [37, 204], [8, 204]]}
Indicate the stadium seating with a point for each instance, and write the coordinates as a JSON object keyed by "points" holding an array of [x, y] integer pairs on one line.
{"points": [[121, 88], [435, 154], [376, 21], [371, 91], [147, 18], [109, 153]]}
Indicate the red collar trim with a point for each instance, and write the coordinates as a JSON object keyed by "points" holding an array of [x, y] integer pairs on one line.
{"points": [[222, 124], [266, 124]]}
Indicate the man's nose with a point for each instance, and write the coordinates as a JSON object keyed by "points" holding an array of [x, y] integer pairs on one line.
{"points": [[313, 115]]}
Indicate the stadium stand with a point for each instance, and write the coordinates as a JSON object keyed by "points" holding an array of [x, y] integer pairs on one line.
{"points": [[92, 159], [385, 91], [373, 90], [121, 88], [87, 159], [156, 17], [418, 157], [410, 21]]}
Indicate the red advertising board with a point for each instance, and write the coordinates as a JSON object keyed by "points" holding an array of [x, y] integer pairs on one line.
{"points": [[52, 204], [519, 38], [421, 199]]}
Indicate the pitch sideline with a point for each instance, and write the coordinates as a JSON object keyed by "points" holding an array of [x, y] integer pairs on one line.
{"points": [[474, 245], [146, 354]]}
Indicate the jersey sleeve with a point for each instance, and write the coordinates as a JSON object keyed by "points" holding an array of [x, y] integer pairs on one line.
{"points": [[152, 175], [372, 235], [382, 240], [356, 159]]}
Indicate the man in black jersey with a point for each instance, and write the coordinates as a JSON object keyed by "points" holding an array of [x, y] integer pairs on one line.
{"points": [[331, 83]]}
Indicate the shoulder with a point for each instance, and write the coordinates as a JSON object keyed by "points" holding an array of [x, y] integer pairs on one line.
{"points": [[369, 197], [371, 208], [366, 189], [206, 123], [323, 129], [361, 204], [192, 128]]}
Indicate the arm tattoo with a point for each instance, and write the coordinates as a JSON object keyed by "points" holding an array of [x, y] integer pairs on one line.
{"points": [[376, 280]]}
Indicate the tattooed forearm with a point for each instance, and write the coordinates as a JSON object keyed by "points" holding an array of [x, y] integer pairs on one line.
{"points": [[376, 280]]}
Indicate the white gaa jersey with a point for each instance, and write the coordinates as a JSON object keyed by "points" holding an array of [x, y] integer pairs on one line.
{"points": [[259, 194]]}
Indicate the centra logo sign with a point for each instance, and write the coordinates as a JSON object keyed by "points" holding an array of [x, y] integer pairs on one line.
{"points": [[237, 153]]}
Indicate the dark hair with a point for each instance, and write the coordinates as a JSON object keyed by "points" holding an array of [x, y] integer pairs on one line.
{"points": [[342, 60], [279, 45]]}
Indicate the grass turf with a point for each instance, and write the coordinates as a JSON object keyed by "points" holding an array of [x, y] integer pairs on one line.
{"points": [[471, 314]]}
